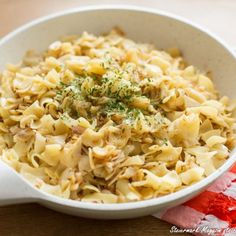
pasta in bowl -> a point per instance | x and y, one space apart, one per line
105 119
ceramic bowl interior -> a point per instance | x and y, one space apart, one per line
199 47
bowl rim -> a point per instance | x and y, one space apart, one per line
44 197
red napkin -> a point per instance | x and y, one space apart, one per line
213 212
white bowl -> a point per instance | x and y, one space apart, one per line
199 47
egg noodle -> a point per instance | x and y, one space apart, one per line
104 119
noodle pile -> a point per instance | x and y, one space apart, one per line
104 119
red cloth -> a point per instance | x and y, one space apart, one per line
213 212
